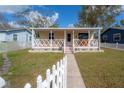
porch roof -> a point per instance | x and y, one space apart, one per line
88 28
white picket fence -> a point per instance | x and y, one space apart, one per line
55 78
2 82
113 45
12 46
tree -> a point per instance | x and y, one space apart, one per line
3 22
94 16
54 25
116 25
122 22
31 18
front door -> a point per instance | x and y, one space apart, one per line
68 37
68 43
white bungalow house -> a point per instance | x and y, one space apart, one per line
65 39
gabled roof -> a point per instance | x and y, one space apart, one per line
115 28
16 29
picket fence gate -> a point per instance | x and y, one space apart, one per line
57 78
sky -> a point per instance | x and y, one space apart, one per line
67 14
64 15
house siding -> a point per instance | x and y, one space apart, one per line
57 34
110 32
22 35
2 36
60 34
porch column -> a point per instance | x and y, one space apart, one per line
99 39
51 40
64 40
73 43
89 39
32 39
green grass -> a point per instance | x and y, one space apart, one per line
1 62
25 66
102 69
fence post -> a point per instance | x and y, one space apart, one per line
60 76
57 74
48 78
117 45
57 78
53 74
63 73
28 85
65 69
2 82
39 81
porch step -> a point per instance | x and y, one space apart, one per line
69 50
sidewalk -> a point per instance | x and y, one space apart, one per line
74 79
5 67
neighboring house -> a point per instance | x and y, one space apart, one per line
113 35
18 35
65 39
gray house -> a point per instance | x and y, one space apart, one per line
18 35
15 39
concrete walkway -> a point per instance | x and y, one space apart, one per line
74 79
6 64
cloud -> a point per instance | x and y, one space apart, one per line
122 7
52 19
13 8
70 25
14 24
36 18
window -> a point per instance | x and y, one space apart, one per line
30 38
104 37
15 37
37 34
51 35
117 37
83 35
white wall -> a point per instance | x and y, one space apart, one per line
2 36
22 36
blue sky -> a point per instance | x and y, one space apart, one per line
118 18
66 14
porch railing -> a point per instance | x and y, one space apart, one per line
85 42
58 43
41 43
47 43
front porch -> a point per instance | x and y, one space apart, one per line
66 39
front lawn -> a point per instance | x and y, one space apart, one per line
25 66
102 69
